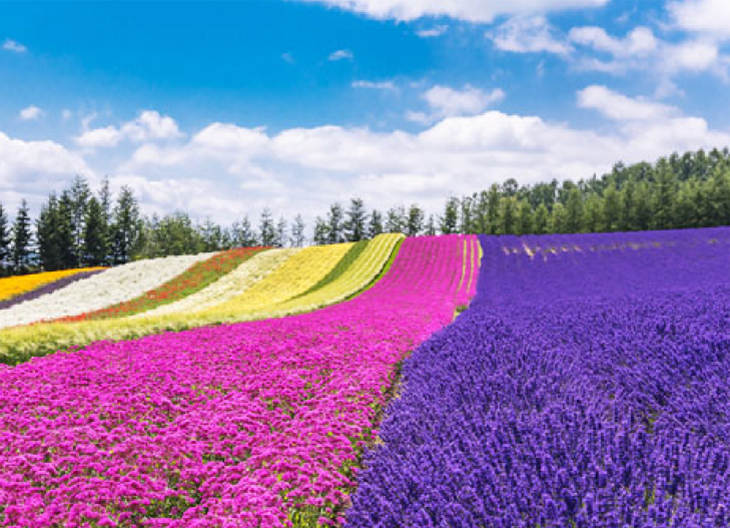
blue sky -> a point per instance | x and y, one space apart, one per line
223 108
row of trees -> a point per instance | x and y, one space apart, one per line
83 228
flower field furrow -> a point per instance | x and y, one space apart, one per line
48 287
20 344
295 276
113 286
359 274
229 286
192 280
248 425
587 386
11 287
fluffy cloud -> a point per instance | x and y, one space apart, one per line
14 46
619 107
470 10
149 126
31 113
341 55
447 102
640 41
304 169
709 17
528 34
28 169
224 170
642 50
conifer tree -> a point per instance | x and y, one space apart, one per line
127 227
22 240
298 227
414 225
375 226
5 240
95 249
354 226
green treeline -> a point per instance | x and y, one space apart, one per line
79 227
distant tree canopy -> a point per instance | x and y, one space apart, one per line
81 228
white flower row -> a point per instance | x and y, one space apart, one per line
229 286
108 288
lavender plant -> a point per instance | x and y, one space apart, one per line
587 386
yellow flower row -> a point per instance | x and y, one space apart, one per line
283 291
13 286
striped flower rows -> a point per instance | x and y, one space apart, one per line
115 285
11 287
48 288
273 283
192 280
247 425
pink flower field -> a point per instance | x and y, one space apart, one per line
250 425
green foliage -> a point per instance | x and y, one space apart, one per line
22 240
4 242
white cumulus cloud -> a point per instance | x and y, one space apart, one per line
14 46
709 17
31 113
469 10
528 34
619 107
444 101
148 126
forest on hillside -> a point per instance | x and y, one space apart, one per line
83 227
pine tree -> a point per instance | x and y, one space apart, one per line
321 231
354 225
281 232
267 229
5 240
467 220
297 239
95 244
50 254
105 200
243 235
127 227
395 220
335 227
450 220
64 231
430 229
213 236
80 194
22 240
414 225
375 226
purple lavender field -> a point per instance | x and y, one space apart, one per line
587 386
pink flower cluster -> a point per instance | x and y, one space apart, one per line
248 425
